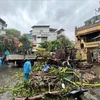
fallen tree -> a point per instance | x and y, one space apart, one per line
52 84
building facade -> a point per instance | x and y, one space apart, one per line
3 26
88 36
60 33
43 33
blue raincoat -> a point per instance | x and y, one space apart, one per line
27 69
0 63
6 52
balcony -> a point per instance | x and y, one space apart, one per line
42 35
92 44
88 29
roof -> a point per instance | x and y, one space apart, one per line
30 30
40 26
1 20
90 22
52 29
60 30
93 19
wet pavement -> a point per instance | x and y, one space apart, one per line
7 78
96 90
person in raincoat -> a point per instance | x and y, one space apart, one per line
27 70
6 53
0 63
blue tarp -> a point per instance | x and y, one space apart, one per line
46 67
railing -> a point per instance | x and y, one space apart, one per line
42 35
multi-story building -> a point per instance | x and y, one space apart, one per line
88 36
60 32
3 26
43 33
52 34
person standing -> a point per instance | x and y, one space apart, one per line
27 69
6 53
0 63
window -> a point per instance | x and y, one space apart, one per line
82 46
41 30
2 28
44 39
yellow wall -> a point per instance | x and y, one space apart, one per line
84 31
87 46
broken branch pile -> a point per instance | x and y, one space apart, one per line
88 75
52 84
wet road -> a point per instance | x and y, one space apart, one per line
7 78
96 91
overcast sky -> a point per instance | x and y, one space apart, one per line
22 14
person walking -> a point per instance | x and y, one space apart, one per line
27 69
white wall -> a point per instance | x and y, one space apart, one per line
52 36
38 40
2 31
0 25
38 31
43 39
45 33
